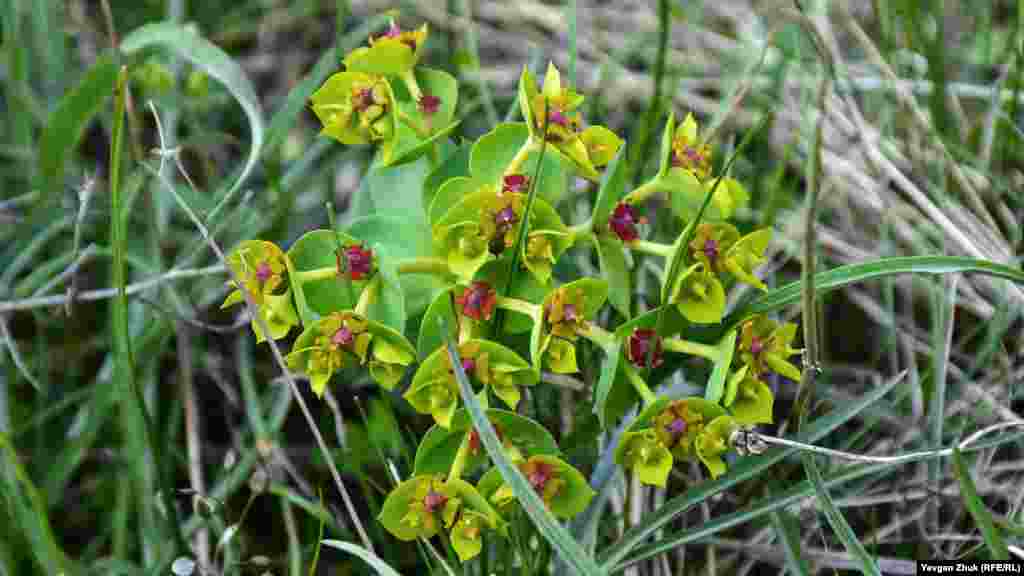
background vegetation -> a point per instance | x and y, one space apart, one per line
922 154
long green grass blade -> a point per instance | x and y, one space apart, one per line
746 468
219 65
854 273
547 526
982 517
66 125
844 532
365 555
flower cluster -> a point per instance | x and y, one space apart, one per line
487 230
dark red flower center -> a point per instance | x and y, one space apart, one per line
757 346
343 337
468 365
359 261
506 217
569 313
263 272
691 155
640 347
434 500
515 183
429 104
364 99
539 476
556 116
623 222
711 249
676 427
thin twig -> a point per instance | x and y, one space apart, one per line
5 332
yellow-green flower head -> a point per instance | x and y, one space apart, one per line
713 441
436 392
261 267
645 454
688 152
417 508
748 398
355 108
677 427
554 108
393 53
562 488
766 346
699 295
499 221
720 249
711 242
324 348
564 312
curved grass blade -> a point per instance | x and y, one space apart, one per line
216 63
747 468
365 555
993 539
844 532
65 126
547 526
853 273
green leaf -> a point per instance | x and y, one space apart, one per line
313 250
66 124
402 238
215 62
612 256
454 165
665 153
397 191
716 383
842 529
612 189
843 275
546 524
614 396
365 555
437 449
449 194
430 338
388 307
980 513
745 468
494 150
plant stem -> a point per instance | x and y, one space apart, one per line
643 192
582 232
656 248
516 164
522 306
597 335
412 124
460 459
435 266
367 296
641 387
691 348
409 79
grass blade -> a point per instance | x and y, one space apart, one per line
365 555
547 526
197 50
969 492
747 468
854 273
835 518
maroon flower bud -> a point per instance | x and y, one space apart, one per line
639 346
359 261
434 501
263 272
506 218
756 346
569 313
429 104
539 475
343 337
515 183
478 301
556 116
623 222
711 249
363 99
468 365
676 427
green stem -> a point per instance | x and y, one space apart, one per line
597 335
582 232
409 79
644 191
522 306
367 296
516 164
460 459
641 387
408 121
691 348
656 248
